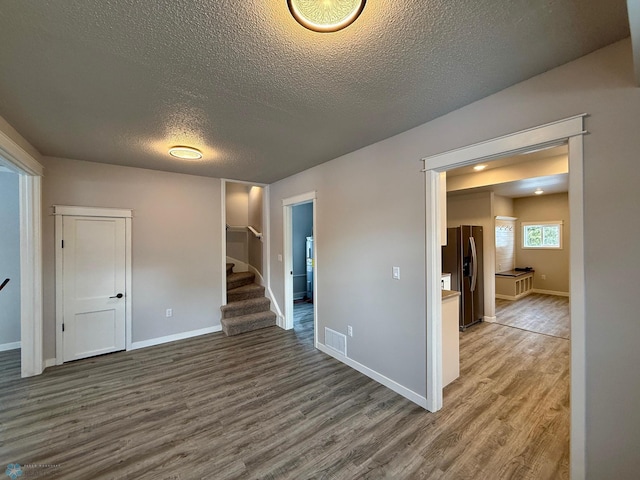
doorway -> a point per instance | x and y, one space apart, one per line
244 225
300 264
302 243
9 260
507 196
18 160
568 130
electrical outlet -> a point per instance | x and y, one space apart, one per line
169 312
350 330
543 277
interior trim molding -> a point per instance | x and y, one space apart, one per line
553 133
31 290
92 211
18 156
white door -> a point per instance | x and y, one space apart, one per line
94 286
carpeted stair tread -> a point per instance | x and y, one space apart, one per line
230 268
245 307
239 279
245 292
247 323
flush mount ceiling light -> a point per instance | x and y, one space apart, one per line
479 168
539 191
186 153
325 15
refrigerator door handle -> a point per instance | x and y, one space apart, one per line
474 263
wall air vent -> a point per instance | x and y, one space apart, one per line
335 341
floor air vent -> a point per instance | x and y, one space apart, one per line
336 341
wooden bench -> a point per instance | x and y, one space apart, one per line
514 284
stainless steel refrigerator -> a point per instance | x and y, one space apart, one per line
462 257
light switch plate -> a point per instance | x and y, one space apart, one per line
396 273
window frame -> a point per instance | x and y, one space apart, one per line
558 223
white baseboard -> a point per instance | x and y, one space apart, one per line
259 280
173 338
9 346
489 319
551 292
274 305
378 377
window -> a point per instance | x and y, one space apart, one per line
542 234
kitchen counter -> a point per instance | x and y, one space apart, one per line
449 294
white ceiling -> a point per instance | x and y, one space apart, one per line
120 81
532 175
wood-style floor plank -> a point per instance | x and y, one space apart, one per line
537 312
267 405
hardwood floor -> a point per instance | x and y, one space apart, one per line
267 405
546 314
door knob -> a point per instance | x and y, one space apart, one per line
117 296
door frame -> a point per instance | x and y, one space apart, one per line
287 221
16 158
571 131
60 211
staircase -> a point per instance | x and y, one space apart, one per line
247 308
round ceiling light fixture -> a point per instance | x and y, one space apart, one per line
326 15
186 153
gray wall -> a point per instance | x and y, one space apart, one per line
554 264
302 217
237 203
176 242
9 258
370 216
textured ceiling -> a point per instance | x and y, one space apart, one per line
120 81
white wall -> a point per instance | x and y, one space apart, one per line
553 264
371 216
176 242
9 259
